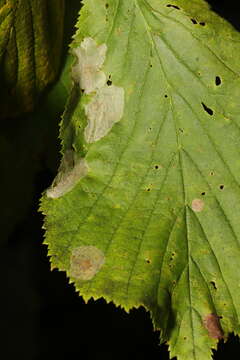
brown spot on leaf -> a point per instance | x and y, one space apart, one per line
85 262
197 205
211 322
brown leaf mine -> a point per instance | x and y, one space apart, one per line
197 205
85 262
212 324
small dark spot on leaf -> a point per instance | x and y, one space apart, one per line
213 285
184 338
202 23
207 109
221 187
156 167
148 261
151 65
109 82
150 129
194 21
106 5
180 129
218 81
82 91
212 324
148 189
211 173
165 96
203 193
173 6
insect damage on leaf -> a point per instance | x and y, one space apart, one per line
87 71
107 103
105 109
85 262
197 205
212 324
69 173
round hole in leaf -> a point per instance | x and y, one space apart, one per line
218 81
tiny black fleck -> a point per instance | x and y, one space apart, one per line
218 81
213 285
194 21
165 96
148 261
173 6
156 167
106 5
180 129
203 193
148 189
109 82
221 187
207 109
202 23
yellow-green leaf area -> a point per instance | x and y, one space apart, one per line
31 36
160 199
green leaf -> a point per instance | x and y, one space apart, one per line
31 36
145 207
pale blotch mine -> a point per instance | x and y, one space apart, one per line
105 109
90 58
106 105
197 205
69 173
85 262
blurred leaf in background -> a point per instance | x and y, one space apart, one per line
31 41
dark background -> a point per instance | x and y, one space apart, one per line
41 315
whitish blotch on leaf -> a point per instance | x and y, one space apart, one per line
106 105
85 262
70 171
87 71
197 205
105 109
212 324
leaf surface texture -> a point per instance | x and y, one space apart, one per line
158 208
